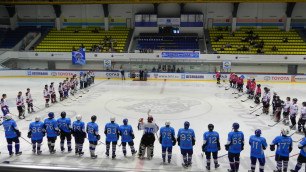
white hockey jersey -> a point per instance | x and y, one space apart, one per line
266 97
303 113
51 90
3 103
46 94
29 98
294 109
60 89
19 101
287 106
148 127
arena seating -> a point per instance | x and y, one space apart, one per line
64 40
272 36
157 41
12 37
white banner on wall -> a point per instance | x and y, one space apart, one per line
169 21
168 76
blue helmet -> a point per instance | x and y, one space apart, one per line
51 115
258 132
125 121
186 125
235 126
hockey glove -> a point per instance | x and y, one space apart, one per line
173 140
18 133
203 147
227 147
58 132
118 135
105 132
29 134
44 133
140 120
272 147
133 136
98 137
218 145
193 141
160 140
290 149
179 141
242 146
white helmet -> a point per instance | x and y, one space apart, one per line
112 119
285 131
37 119
79 117
8 116
167 123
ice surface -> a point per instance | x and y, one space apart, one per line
200 103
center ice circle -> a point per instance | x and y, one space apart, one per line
172 107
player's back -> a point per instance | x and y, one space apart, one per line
37 129
186 137
257 146
92 128
78 126
126 131
237 139
63 124
9 128
283 145
167 133
111 132
302 144
50 125
150 128
212 138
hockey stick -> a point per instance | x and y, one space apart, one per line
36 107
217 157
26 140
100 142
276 123
256 110
295 141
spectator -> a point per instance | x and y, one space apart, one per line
222 48
232 34
115 42
97 49
76 30
244 39
100 46
215 51
182 70
244 48
154 69
220 36
219 28
95 31
178 70
252 42
285 39
226 28
274 48
238 48
262 42
255 36
250 48
216 39
228 45
259 51
73 48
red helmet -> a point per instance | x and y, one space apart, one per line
150 118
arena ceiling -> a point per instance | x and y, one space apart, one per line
28 2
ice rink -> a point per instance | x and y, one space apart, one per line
200 103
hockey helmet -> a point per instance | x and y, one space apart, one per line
186 125
51 115
78 117
285 131
93 118
125 121
112 119
150 118
258 85
211 127
8 116
63 114
295 99
258 132
37 119
235 126
304 103
167 123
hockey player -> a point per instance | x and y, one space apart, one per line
235 78
167 140
293 112
72 86
273 102
211 146
46 96
52 93
258 145
252 89
81 80
248 85
266 100
302 156
218 76
92 75
234 146
148 138
278 108
127 136
78 128
240 84
302 119
231 79
36 134
64 125
284 147
4 106
12 134
52 131
286 110
92 130
257 94
29 101
20 105
61 91
111 132
186 141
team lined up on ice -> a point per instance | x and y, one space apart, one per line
290 109
86 79
185 138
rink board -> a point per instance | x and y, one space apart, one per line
153 75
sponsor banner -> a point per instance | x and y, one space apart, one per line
169 21
164 76
193 76
180 55
281 78
107 63
37 73
112 75
298 78
227 65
